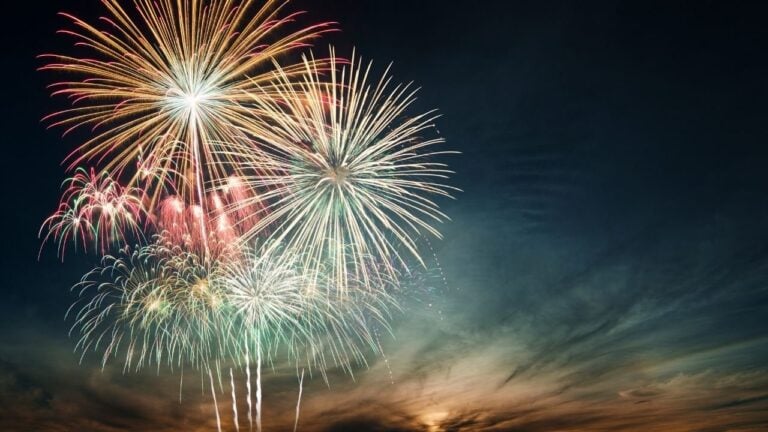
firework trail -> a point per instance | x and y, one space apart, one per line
298 402
248 399
350 180
215 403
234 399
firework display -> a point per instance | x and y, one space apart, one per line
248 210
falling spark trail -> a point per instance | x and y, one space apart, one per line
384 356
181 383
258 389
248 387
215 404
298 402
234 399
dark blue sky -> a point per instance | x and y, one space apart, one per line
606 262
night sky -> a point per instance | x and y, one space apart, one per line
606 263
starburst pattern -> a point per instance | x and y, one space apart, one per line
171 87
350 175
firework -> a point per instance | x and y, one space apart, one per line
156 305
274 305
165 89
350 176
206 232
96 210
274 308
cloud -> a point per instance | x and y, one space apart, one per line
655 328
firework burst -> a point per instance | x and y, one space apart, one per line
275 307
95 210
207 232
168 86
156 305
350 176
